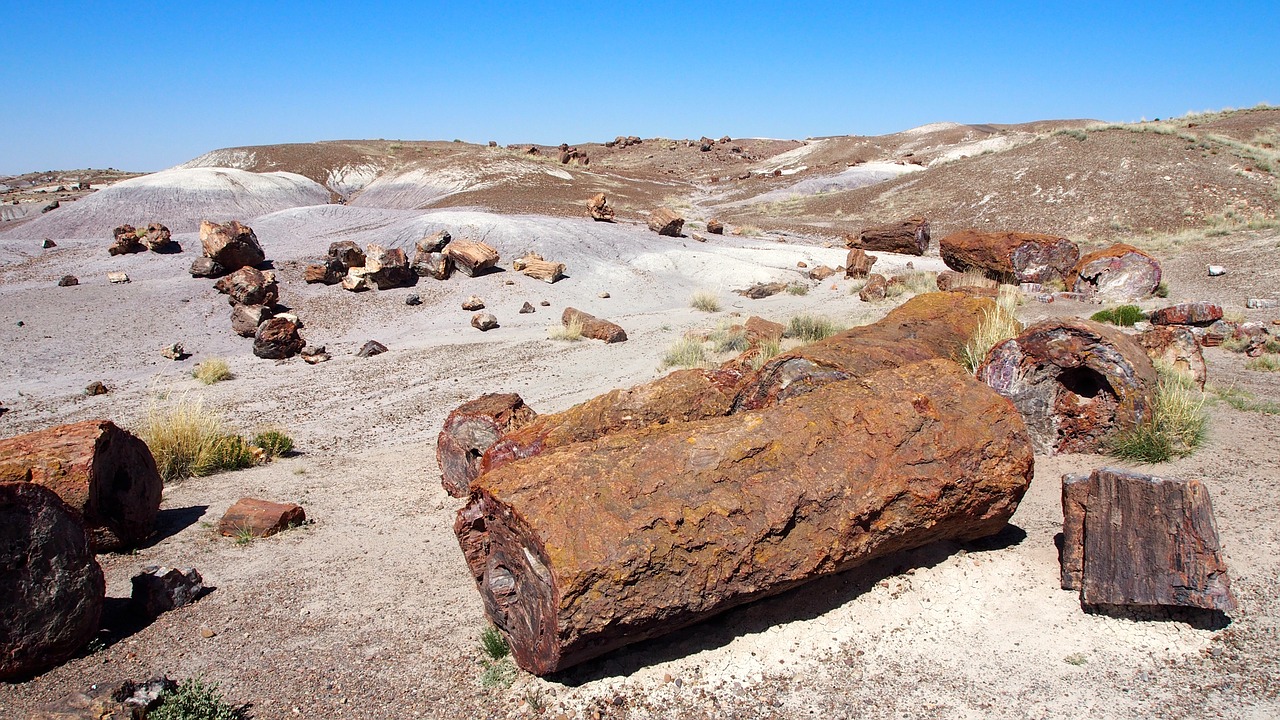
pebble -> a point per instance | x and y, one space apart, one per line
206 633
604 294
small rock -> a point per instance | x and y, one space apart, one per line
413 299
347 253
698 237
1216 270
715 227
316 359
206 633
159 589
277 339
484 321
259 518
434 242
175 352
545 303
206 267
604 295
802 264
473 303
68 281
875 289
144 696
355 283
96 388
371 348
526 309
117 277
48 244
1259 303
245 319
125 241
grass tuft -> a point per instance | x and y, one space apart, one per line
493 644
913 282
705 301
189 439
766 350
212 370
727 338
1124 315
1176 427
811 328
1264 363
685 352
996 325
273 443
194 700
1244 401
797 288
571 332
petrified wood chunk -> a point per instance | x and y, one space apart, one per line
1176 347
470 430
1120 272
594 327
665 221
910 237
762 290
206 267
260 518
157 238
231 245
875 289
598 208
245 319
1013 257
858 263
51 587
1140 540
538 268
1196 313
1076 382
436 265
386 267
277 339
105 474
348 253
690 519
471 257
715 227
434 243
328 272
249 286
125 241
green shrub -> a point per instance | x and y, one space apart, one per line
212 370
194 700
1124 315
493 644
1176 425
705 301
810 328
273 443
225 452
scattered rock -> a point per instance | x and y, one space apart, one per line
598 208
355 283
329 272
594 327
802 264
484 321
762 290
909 237
534 266
96 388
249 286
175 351
277 339
138 698
371 348
436 265
259 518
434 243
413 299
231 245
857 264
125 241
473 303
715 227
245 319
387 267
1012 257
471 257
1217 271
1120 272
665 221
208 633
347 253
822 272
53 589
1259 303
1198 313
47 243
316 359
875 289
158 590
1177 348
117 277
526 309
68 281
51 206
206 267
545 303
157 238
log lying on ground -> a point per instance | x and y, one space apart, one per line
471 257
1131 539
690 519
470 430
51 587
104 473
910 237
594 327
539 268
1076 382
665 221
1120 272
1012 257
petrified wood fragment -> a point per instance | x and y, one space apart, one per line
910 237
665 221
1138 540
1076 382
598 208
858 263
1177 348
471 257
1013 257
231 245
470 430
594 327
690 519
105 474
1120 272
1194 313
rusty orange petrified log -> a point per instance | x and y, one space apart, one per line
105 474
599 544
472 428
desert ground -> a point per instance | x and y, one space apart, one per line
369 611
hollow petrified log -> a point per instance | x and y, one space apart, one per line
104 473
910 237
1120 272
690 519
1076 382
470 430
471 257
1138 540
594 327
51 587
1013 257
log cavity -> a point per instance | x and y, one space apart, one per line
1085 407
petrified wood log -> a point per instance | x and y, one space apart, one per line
598 208
231 245
470 430
594 327
348 253
436 265
105 474
690 519
1013 257
1120 272
387 267
1178 348
858 263
277 339
471 256
1195 313
1139 540
260 518
1076 382
910 237
538 268
874 289
665 221
51 587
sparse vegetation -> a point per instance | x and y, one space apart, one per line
1175 427
766 350
498 669
493 644
273 443
996 325
1264 363
705 301
244 536
798 288
1245 401
1077 134
685 352
1076 659
194 700
212 370
189 439
1124 315
571 332
913 282
729 338
811 328
1162 289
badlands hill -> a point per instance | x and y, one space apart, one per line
370 612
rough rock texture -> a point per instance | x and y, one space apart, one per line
598 208
483 321
355 282
348 253
470 430
858 263
909 237
1120 272
690 519
249 286
822 272
51 587
245 319
1130 539
471 257
157 238
1012 257
68 281
387 267
665 221
1176 347
762 290
328 272
433 243
430 264
259 518
534 266
473 303
371 348
594 327
1076 382
1197 313
231 245
206 267
105 474
277 339
124 241
715 227
759 330
874 289
158 589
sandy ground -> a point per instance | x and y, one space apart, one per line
369 611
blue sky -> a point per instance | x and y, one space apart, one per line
144 85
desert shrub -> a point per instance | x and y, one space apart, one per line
685 352
493 644
914 282
194 700
571 332
225 452
189 439
1244 401
211 371
727 338
767 350
1124 315
705 301
1176 426
1264 363
1162 289
1235 343
810 328
996 324
798 288
273 443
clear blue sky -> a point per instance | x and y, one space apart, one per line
144 85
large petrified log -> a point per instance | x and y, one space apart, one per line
51 587
470 430
1076 382
471 257
1139 540
910 237
1120 272
1012 257
690 519
1177 348
231 245
104 473
594 327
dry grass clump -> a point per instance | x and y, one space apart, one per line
765 351
212 370
797 288
729 338
996 325
811 328
685 352
187 439
914 282
1264 363
1176 426
572 332
705 301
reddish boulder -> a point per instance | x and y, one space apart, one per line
760 330
1120 272
249 286
51 587
231 245
157 238
125 241
665 221
909 237
594 327
259 518
858 263
1012 257
875 289
387 267
598 208
471 257
329 272
245 319
1197 313
715 227
277 339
